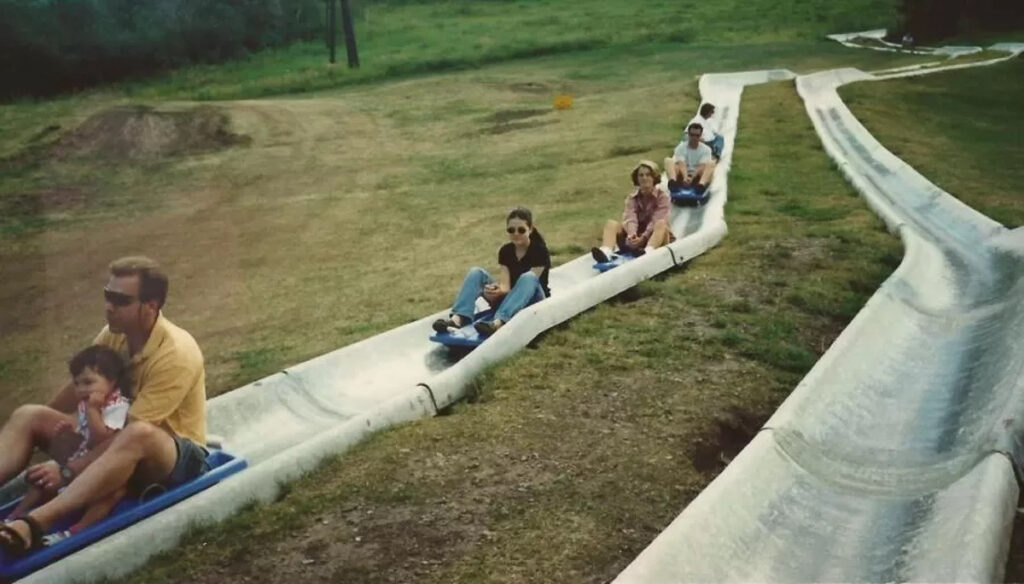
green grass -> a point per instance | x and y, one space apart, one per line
961 129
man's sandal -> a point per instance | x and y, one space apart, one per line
12 542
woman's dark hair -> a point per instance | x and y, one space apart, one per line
105 361
706 109
525 214
520 213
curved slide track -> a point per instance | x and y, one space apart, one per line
285 424
894 459
850 39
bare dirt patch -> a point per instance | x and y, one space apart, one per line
44 201
59 198
30 209
142 132
732 431
371 543
529 87
504 121
44 133
505 128
504 116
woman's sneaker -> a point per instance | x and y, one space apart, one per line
599 255
442 325
485 328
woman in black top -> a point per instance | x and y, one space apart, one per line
523 280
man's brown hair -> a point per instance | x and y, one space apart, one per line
152 279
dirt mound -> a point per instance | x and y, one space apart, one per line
141 132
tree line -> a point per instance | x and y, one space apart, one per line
934 20
53 46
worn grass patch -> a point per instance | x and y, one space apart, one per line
961 129
579 452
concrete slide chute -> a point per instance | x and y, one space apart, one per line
894 458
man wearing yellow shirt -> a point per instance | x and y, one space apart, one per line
164 440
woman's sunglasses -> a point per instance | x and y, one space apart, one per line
519 230
118 298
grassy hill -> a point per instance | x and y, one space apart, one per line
278 220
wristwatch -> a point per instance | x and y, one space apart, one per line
67 474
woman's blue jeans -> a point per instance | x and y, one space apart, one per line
526 291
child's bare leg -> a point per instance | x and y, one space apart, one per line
33 498
99 510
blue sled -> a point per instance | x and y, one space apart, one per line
617 260
127 512
688 196
467 335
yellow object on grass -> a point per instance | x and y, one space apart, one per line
563 102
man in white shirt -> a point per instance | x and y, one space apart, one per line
711 137
692 163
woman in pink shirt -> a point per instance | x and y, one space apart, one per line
644 225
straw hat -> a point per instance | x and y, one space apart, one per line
652 165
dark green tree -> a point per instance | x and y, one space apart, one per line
49 46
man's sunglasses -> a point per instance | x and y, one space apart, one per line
519 230
118 298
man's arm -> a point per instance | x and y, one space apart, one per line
47 475
65 400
